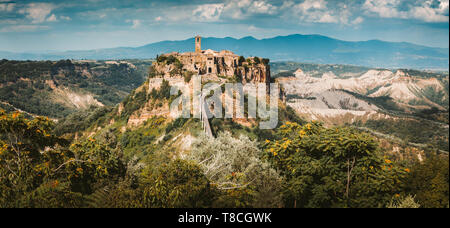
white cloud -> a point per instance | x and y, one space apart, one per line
9 22
357 21
240 9
311 5
65 18
262 7
208 12
287 5
428 11
52 18
252 28
23 28
311 11
102 13
135 23
344 13
314 11
7 7
384 8
37 12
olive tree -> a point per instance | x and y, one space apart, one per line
235 164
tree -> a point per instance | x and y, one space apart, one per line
429 181
171 59
241 60
94 164
161 58
29 158
52 194
123 194
163 92
178 184
38 169
177 68
152 72
332 167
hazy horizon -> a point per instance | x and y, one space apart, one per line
182 39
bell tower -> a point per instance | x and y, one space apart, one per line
198 44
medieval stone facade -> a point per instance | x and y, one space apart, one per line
224 63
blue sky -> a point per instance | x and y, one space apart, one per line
91 24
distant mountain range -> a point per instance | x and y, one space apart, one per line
298 48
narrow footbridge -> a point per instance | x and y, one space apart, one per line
204 118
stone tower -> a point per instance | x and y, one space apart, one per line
198 44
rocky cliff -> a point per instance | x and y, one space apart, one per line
254 73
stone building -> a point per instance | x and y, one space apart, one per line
224 63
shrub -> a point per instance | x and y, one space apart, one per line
161 59
429 182
171 59
403 202
234 166
188 76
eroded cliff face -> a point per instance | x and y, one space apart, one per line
150 107
257 73
178 69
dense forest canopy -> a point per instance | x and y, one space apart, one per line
301 165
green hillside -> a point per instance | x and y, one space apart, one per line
56 89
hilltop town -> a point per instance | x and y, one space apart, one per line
209 62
